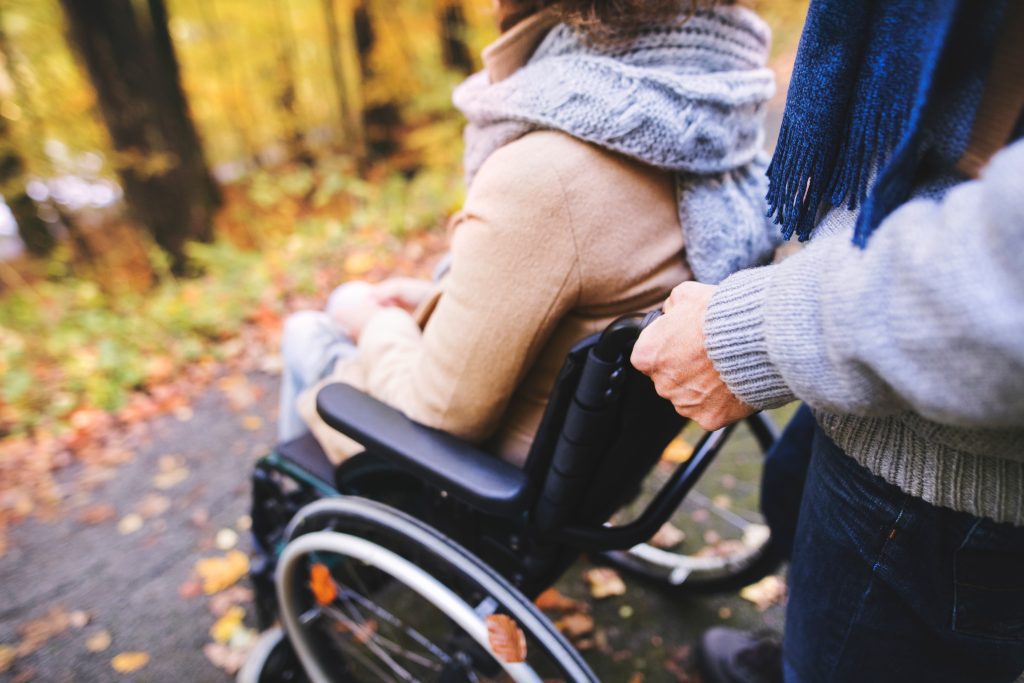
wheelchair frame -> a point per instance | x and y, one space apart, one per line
603 430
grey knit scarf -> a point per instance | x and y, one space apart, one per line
688 98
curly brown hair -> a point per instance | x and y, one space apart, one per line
601 17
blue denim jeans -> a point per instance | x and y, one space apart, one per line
886 587
311 343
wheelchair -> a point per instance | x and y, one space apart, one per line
419 558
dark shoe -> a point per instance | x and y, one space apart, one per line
731 656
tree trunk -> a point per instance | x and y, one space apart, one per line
347 74
454 50
127 50
382 121
34 232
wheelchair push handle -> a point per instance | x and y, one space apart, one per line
616 342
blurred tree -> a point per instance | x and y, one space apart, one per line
287 97
345 70
127 51
454 50
32 229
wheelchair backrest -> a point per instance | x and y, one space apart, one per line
603 430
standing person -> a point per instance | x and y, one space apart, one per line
576 153
902 326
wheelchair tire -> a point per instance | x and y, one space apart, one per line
349 635
738 563
272 660
693 575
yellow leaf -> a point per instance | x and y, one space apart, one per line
129 662
765 593
507 640
252 422
98 642
7 655
219 573
604 582
359 263
225 627
678 451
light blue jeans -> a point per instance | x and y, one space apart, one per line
311 344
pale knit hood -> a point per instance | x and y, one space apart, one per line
689 98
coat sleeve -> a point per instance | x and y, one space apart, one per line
928 318
514 275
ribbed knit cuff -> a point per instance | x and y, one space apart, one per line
734 335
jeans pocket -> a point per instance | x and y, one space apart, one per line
989 584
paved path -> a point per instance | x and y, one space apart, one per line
129 583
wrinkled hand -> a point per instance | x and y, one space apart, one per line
404 292
351 306
671 352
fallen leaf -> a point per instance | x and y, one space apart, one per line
226 539
604 582
677 451
36 632
322 584
722 549
79 619
507 640
359 263
170 478
225 627
575 624
190 589
668 536
553 601
724 612
7 656
244 523
625 612
129 524
129 662
700 515
728 482
712 537
98 642
153 505
220 603
97 514
252 422
199 518
637 677
218 573
224 657
722 501
765 593
239 391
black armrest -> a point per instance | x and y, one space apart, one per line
442 460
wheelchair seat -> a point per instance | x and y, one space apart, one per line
305 452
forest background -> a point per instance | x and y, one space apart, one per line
177 175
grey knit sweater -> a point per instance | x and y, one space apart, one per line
910 352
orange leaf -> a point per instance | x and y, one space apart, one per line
553 601
506 638
322 585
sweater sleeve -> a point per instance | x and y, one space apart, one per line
514 274
928 318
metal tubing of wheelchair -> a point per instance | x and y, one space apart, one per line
659 510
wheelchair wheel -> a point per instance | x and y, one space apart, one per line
726 543
369 593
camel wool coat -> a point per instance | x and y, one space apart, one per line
556 239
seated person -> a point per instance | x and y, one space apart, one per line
613 151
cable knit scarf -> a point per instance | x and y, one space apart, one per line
688 98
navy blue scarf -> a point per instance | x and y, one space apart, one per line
868 74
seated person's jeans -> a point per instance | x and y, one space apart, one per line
311 344
886 587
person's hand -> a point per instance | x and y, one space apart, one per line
671 352
351 306
404 292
